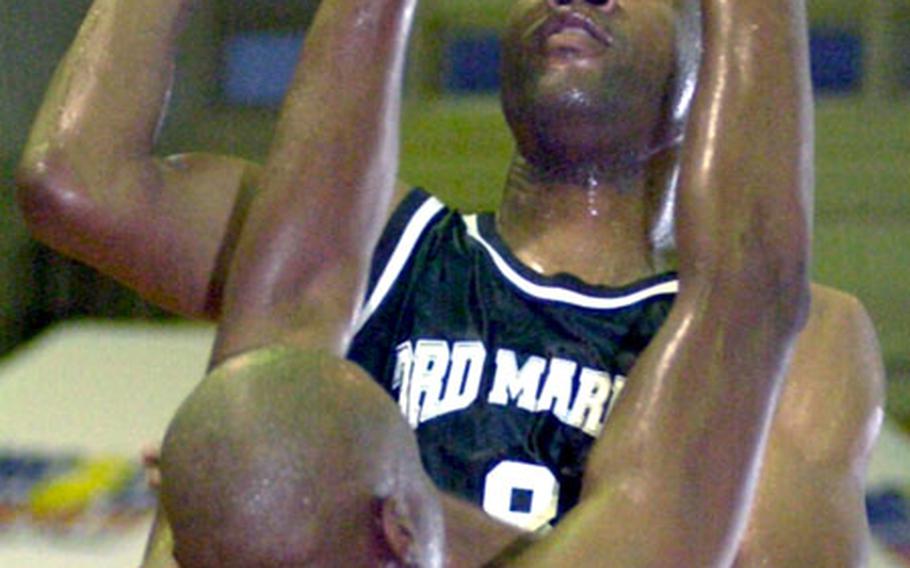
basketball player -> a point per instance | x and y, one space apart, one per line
286 457
509 371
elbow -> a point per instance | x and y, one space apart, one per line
48 194
778 294
795 298
771 291
785 260
769 269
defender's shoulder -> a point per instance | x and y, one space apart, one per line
839 338
834 390
830 305
839 327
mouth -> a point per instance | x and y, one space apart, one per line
572 36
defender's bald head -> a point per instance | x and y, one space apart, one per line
285 458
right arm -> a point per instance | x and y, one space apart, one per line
673 475
89 184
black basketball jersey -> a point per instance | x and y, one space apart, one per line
507 376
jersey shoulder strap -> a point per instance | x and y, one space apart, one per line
402 235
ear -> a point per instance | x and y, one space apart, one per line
398 529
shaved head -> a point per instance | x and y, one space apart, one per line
284 458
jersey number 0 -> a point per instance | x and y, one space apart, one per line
521 494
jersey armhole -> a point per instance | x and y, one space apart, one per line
400 238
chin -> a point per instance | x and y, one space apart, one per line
570 127
603 108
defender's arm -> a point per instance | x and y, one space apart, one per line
89 185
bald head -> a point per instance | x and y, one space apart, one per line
285 458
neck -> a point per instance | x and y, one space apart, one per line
593 223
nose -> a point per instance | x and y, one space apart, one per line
602 4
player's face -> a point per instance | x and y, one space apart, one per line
583 78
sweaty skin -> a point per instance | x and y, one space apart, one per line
295 457
679 473
170 229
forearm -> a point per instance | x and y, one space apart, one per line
670 480
744 199
683 448
329 179
743 228
108 94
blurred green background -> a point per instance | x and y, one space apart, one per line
458 147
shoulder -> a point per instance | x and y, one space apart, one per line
833 396
832 306
839 334
827 420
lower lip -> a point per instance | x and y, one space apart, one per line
573 43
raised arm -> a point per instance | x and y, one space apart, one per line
302 260
89 184
671 479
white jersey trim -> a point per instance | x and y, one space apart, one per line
565 295
399 257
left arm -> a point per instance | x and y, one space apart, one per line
301 261
809 507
